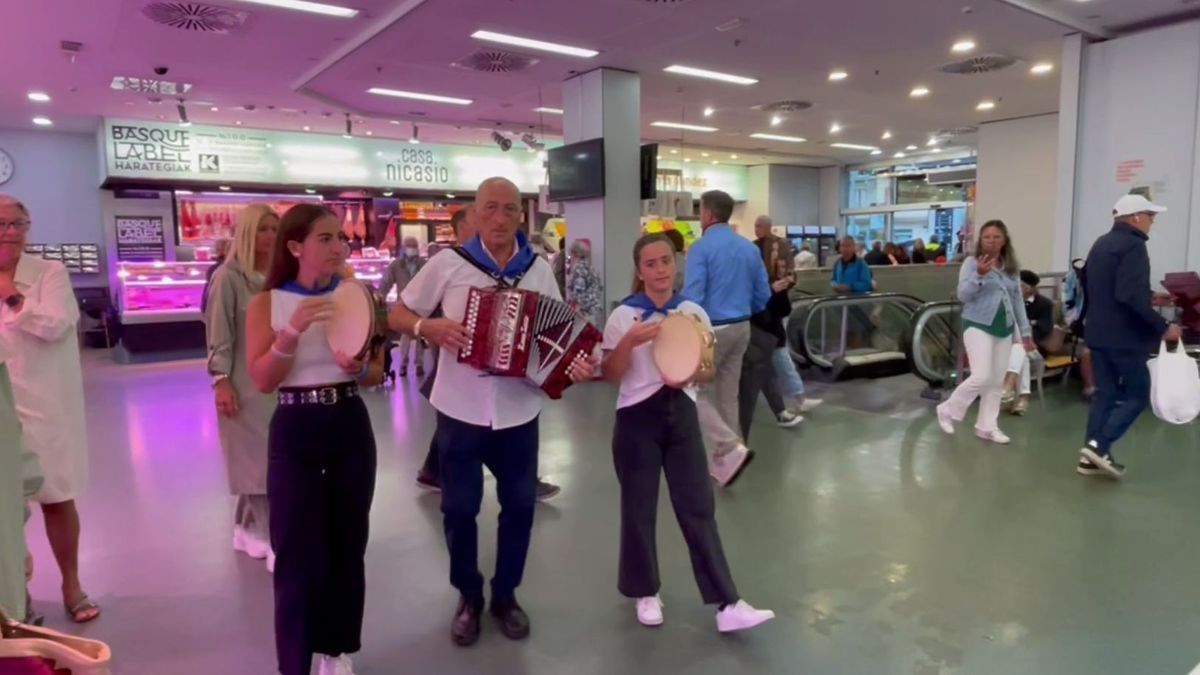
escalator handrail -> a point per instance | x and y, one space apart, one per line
803 315
916 329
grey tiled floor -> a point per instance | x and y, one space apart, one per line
885 546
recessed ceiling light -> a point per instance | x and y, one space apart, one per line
733 157
776 120
936 150
931 142
887 136
370 133
986 104
238 122
876 152
660 158
838 75
308 128
685 127
919 92
674 151
549 111
38 96
852 146
215 109
42 121
529 43
710 74
1042 68
777 137
715 162
708 111
899 155
910 148
835 128
381 91
704 154
313 7
687 159
963 46
388 193
224 188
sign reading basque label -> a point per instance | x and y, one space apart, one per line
158 151
140 238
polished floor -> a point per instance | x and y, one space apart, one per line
883 545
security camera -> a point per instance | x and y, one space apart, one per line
161 70
504 142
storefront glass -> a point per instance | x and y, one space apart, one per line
867 228
868 189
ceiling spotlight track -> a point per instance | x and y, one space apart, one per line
349 127
415 138
183 116
504 142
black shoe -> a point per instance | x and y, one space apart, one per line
513 620
1105 463
428 481
546 491
1087 468
464 629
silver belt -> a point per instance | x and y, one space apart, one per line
318 396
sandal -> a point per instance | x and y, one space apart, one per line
80 612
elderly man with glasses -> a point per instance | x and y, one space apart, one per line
38 315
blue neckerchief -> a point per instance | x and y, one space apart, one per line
517 265
294 287
643 302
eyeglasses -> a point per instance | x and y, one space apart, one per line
14 225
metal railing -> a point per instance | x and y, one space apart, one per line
850 329
934 343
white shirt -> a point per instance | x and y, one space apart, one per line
47 377
460 391
806 260
314 363
642 379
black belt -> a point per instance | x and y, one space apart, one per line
326 395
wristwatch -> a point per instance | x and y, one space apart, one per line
13 301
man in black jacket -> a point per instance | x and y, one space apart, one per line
1122 330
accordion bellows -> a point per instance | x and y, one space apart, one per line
519 333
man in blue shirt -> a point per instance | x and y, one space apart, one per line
851 274
725 276
1122 330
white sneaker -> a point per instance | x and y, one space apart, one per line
727 468
740 616
994 436
649 611
945 421
335 665
271 561
788 419
808 404
247 543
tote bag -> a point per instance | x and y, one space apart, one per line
1174 386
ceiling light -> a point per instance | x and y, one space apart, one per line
838 75
876 152
986 105
852 146
450 195
370 133
307 128
215 109
887 136
963 47
42 121
381 91
533 44
674 151
660 158
710 74
183 118
776 137
502 141
225 188
931 142
687 159
238 122
549 111
936 150
835 128
704 154
919 92
776 120
313 191
415 138
708 112
910 148
733 157
1042 68
899 155
38 96
685 127
306 6
715 162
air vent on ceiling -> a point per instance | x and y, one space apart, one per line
955 132
951 176
984 63
193 16
495 61
784 106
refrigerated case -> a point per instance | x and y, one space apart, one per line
822 241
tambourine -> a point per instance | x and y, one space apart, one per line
33 649
683 350
358 317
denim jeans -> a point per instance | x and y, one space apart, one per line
790 384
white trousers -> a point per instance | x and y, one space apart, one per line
989 356
1020 362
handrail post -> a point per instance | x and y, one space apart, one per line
845 315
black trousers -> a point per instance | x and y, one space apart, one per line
758 375
431 467
511 455
320 483
661 435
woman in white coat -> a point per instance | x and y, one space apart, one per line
38 315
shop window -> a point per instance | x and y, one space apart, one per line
868 189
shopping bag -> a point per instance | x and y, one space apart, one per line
1174 386
32 650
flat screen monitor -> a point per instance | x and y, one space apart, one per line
649 171
577 171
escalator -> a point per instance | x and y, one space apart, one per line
852 335
933 343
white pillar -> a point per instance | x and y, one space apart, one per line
607 103
1071 73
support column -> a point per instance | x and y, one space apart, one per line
606 104
1071 73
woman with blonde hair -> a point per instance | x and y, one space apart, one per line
243 414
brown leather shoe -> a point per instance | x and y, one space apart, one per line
513 620
464 629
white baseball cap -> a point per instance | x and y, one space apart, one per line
1131 204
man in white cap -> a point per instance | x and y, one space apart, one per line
1122 329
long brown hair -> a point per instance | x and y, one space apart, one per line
645 240
1008 254
295 225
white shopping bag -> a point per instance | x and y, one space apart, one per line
1174 386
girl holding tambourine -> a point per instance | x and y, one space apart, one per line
658 432
321 448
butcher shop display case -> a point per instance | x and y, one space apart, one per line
159 310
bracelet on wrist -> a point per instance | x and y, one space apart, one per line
417 328
282 354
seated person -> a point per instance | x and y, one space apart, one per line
1040 311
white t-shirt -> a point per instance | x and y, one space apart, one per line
642 379
460 391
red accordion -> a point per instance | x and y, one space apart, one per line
519 333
